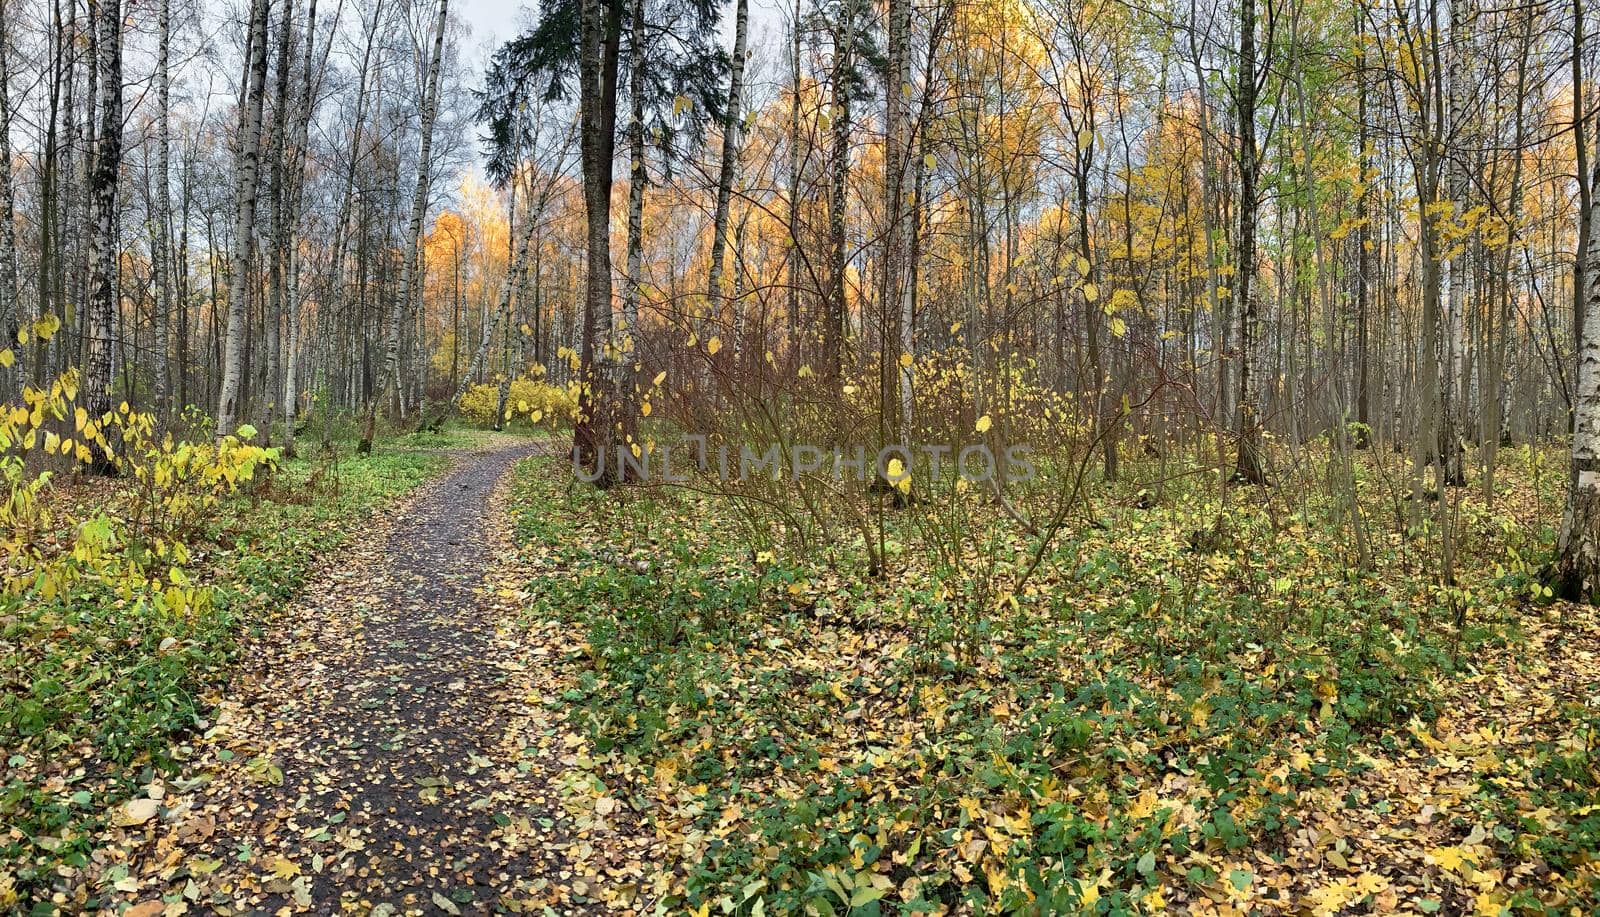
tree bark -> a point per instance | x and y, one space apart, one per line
593 433
100 360
246 189
410 255
1577 567
10 307
1249 466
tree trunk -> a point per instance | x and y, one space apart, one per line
10 308
297 156
100 362
1249 467
837 308
1577 567
249 161
410 256
593 433
731 125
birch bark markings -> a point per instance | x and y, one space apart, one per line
246 190
638 178
410 254
1249 467
1577 568
10 309
100 356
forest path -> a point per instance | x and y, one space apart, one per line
366 763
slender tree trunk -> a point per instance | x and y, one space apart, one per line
100 364
161 250
501 313
638 178
296 172
249 161
837 307
1364 259
731 125
410 255
1249 467
792 251
593 434
10 307
278 271
1577 567
1586 183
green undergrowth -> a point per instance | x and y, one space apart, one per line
102 682
1148 720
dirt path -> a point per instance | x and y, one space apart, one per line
365 763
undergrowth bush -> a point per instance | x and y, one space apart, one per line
530 402
124 597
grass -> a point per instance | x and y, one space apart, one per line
101 686
1148 724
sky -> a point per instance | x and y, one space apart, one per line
496 21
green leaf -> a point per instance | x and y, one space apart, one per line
865 895
1147 863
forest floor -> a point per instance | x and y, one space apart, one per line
1260 726
359 758
509 692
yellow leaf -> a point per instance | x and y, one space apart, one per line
660 378
897 474
1090 292
984 423
7 358
906 359
1119 327
644 409
1449 858
713 345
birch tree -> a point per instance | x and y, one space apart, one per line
100 355
246 189
410 254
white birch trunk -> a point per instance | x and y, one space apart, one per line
100 360
731 126
244 219
410 255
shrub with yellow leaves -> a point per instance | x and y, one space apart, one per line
530 401
71 562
